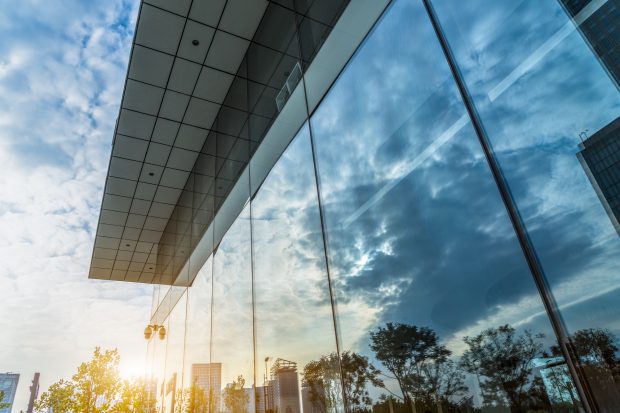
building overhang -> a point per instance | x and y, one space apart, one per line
213 91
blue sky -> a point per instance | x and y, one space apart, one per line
62 67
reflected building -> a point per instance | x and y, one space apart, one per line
600 158
207 377
284 387
8 386
272 159
601 30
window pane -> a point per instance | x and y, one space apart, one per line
232 354
295 337
545 88
436 306
175 331
198 382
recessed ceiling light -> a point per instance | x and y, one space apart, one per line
127 245
195 42
151 174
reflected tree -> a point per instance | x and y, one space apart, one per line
595 346
2 403
136 396
419 363
235 396
321 378
502 361
195 399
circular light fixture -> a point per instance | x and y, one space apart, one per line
148 332
162 332
195 42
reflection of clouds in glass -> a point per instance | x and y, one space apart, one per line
197 339
534 122
232 303
293 310
437 249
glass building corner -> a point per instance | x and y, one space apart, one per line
424 217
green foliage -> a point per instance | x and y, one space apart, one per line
60 397
2 405
322 379
97 388
235 396
502 361
419 363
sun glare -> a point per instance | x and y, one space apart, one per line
130 370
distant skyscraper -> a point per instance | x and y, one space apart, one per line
8 385
34 392
208 378
601 30
285 387
600 158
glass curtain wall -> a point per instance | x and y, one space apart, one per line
376 269
548 105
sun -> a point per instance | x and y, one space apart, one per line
131 370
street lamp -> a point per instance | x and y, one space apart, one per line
148 331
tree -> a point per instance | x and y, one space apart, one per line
594 346
235 396
504 360
2 405
59 397
135 397
321 378
97 388
97 382
418 362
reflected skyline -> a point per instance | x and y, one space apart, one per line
504 368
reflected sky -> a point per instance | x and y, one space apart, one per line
419 252
537 85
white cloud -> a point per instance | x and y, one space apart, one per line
62 67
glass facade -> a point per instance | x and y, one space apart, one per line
439 235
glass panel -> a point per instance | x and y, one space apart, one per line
295 337
436 307
173 385
198 383
232 354
158 365
543 76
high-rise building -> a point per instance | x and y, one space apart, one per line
601 30
34 392
207 377
8 386
600 158
285 384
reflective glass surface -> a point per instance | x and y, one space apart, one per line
232 349
545 104
172 387
373 266
435 299
297 361
199 384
